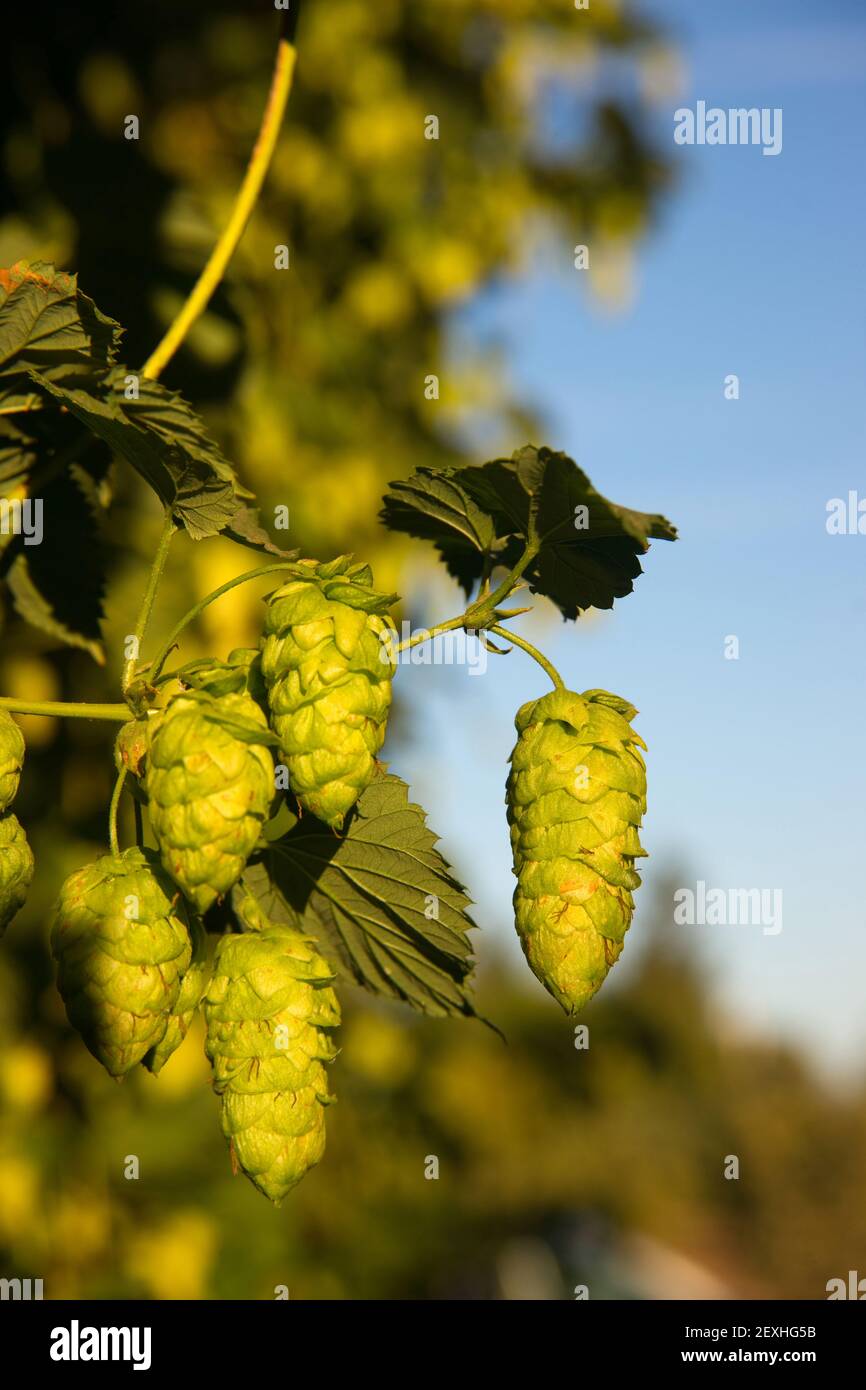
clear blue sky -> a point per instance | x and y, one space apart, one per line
756 766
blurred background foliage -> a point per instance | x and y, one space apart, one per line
556 1166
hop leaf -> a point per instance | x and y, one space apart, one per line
11 758
16 868
192 988
576 795
209 783
121 941
328 665
269 1008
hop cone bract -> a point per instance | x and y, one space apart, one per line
121 942
328 664
269 1008
11 758
16 868
192 988
576 796
209 791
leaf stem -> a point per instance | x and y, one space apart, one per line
61 710
504 589
536 655
426 634
112 812
160 660
245 202
156 572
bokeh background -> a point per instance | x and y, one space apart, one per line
557 1166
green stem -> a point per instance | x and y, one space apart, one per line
160 660
479 613
508 583
112 812
536 655
61 710
425 634
156 572
245 202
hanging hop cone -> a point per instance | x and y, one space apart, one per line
11 758
192 988
576 796
121 941
209 784
269 1009
327 659
16 868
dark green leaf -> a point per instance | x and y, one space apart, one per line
48 325
586 558
372 897
433 506
39 576
245 527
163 438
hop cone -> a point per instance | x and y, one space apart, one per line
208 790
11 758
16 868
192 988
268 1008
328 666
576 796
130 747
122 947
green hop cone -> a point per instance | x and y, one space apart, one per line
209 788
11 758
16 868
192 988
327 660
576 796
269 1008
122 946
130 747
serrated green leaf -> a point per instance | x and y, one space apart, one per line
434 506
165 441
245 527
535 495
370 895
48 325
38 576
580 566
18 455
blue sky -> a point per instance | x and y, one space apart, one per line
757 765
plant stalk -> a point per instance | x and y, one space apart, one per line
202 291
59 709
160 660
536 655
112 812
156 572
